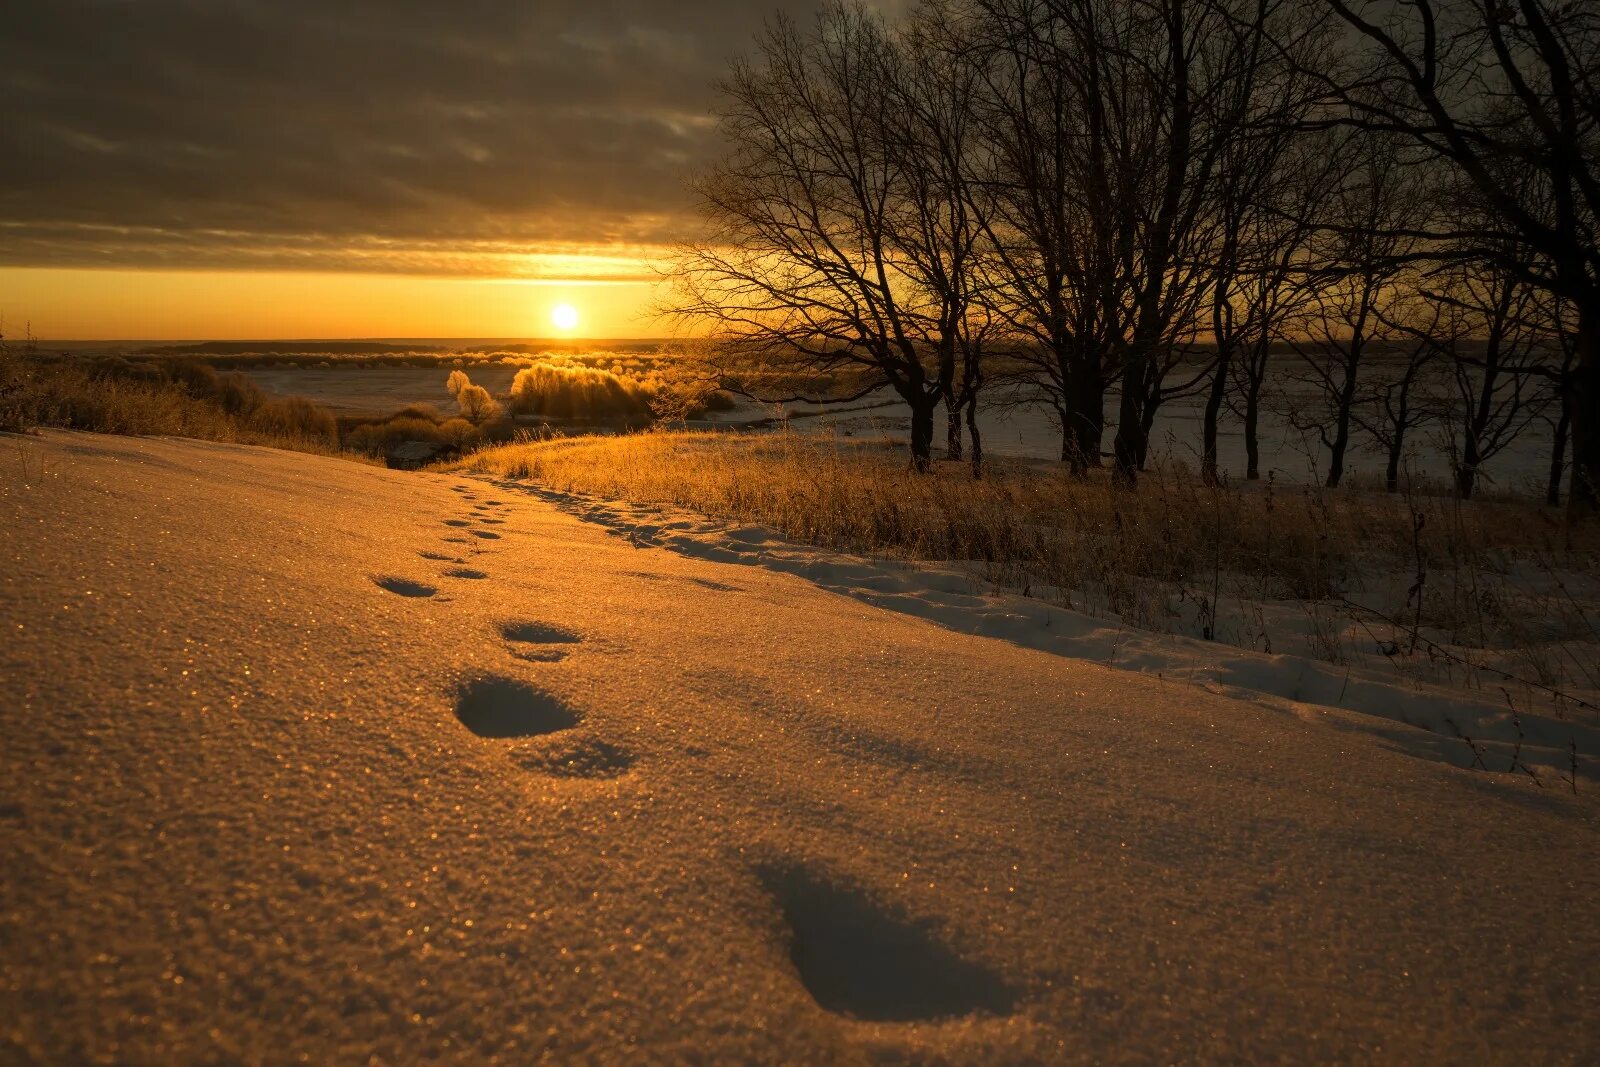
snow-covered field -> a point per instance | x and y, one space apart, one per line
309 759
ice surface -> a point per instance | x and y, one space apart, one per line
744 819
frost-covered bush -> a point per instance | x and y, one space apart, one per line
294 416
578 392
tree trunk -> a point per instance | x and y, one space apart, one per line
922 432
1397 443
1467 470
1091 414
1071 449
952 429
1341 431
1128 445
1219 386
1558 456
1252 443
1341 441
977 439
1583 402
1082 424
1391 473
1147 424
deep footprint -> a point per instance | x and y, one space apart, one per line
494 706
860 961
537 633
402 586
585 757
457 523
464 572
487 535
438 556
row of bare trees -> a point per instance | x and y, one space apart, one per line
1068 201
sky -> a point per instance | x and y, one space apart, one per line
352 168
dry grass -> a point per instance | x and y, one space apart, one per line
182 401
1174 555
858 496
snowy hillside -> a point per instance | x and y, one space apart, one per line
309 759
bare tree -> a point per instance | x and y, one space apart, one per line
804 263
1496 364
1269 294
1501 91
1041 163
1360 255
930 123
1272 177
1198 67
1401 398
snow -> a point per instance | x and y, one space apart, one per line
1469 729
263 797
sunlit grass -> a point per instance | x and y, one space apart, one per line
1173 555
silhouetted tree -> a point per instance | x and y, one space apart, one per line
1360 255
830 245
1506 94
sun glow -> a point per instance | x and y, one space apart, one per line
565 316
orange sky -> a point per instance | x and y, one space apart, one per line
299 168
80 304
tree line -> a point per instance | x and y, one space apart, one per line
1068 201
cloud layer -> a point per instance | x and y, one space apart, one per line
477 137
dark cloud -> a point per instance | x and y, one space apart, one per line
353 134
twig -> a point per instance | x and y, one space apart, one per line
1477 757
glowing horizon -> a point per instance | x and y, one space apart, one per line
118 304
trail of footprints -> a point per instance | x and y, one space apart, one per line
547 735
855 957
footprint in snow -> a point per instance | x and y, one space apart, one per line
534 640
493 705
464 572
501 708
403 586
440 556
487 535
860 960
458 523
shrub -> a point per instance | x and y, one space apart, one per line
476 404
293 416
459 433
577 392
238 394
378 438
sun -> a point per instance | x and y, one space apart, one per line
565 316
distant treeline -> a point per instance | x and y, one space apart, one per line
402 353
